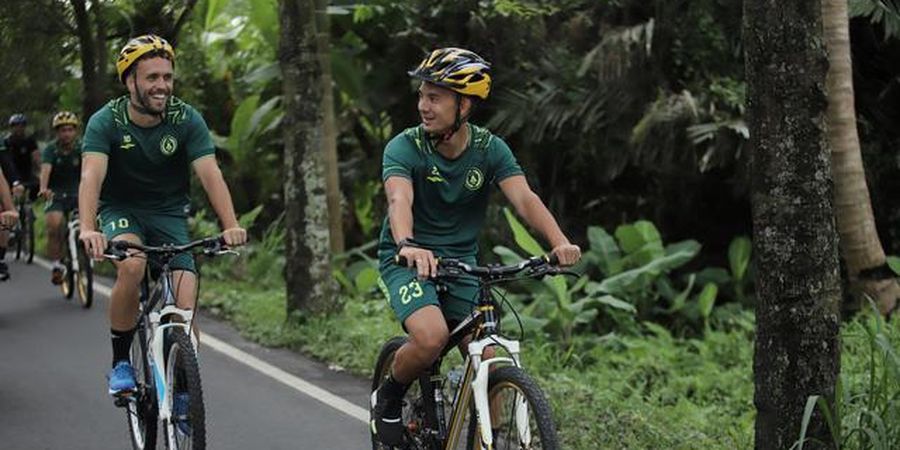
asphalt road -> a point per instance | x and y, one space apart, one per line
54 356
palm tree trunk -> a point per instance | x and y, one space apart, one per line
859 242
310 286
797 346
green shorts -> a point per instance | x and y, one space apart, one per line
62 206
154 228
407 294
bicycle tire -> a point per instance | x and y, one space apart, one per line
382 369
141 412
20 241
68 284
516 378
85 278
183 374
30 214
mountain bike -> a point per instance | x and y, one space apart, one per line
494 399
23 233
79 265
164 352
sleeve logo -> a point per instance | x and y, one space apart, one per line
168 144
474 179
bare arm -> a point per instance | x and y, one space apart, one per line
399 191
531 208
5 196
93 172
219 196
46 170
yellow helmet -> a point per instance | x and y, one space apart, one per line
139 46
457 69
65 118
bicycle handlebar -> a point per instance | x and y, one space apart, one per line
449 267
211 246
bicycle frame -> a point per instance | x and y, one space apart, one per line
475 379
156 322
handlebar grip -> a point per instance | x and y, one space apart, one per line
552 259
400 260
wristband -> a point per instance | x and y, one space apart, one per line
406 242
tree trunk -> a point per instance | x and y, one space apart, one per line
333 187
93 95
310 287
860 246
797 350
102 52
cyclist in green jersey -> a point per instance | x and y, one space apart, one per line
60 173
138 152
438 177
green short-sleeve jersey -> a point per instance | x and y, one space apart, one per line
65 170
148 168
450 196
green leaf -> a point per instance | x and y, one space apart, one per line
604 249
639 235
681 299
739 256
707 299
894 263
213 9
522 236
507 255
264 16
366 279
249 218
240 125
615 303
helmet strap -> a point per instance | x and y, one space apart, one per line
457 124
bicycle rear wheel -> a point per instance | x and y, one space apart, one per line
413 416
522 418
85 278
141 409
183 375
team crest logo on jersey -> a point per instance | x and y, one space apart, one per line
126 142
474 179
168 144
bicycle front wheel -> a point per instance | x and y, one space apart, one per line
187 427
85 278
68 284
520 414
141 409
30 215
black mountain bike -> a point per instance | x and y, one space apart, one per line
164 352
494 400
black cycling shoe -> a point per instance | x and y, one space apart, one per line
4 271
386 422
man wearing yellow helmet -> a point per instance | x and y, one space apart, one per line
60 174
139 150
438 178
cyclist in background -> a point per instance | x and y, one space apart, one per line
60 174
18 158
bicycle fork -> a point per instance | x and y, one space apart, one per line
480 389
72 228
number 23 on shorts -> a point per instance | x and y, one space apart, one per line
410 291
